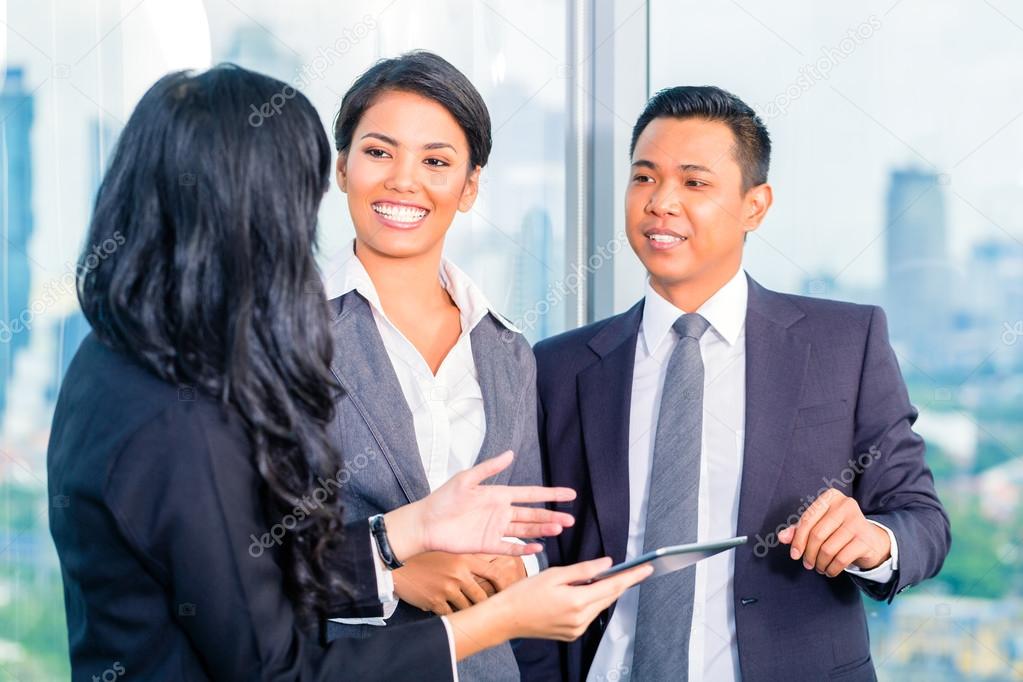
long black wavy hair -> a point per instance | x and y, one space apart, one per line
214 187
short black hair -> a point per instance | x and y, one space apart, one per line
428 75
752 142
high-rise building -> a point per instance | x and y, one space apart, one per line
72 326
995 299
103 133
920 282
17 112
531 307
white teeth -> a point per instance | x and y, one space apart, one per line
666 238
401 214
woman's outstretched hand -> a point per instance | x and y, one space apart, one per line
551 605
466 516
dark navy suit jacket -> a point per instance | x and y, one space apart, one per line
822 388
157 509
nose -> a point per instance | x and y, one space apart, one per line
403 176
666 200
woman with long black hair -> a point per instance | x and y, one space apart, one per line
202 534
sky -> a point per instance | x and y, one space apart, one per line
934 83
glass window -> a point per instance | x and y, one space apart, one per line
897 182
71 75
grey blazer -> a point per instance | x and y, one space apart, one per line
384 470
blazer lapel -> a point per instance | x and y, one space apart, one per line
364 370
605 397
501 385
776 364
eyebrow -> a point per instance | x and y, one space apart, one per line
684 167
394 143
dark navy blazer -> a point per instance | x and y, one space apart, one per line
822 388
157 506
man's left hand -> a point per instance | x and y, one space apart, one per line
833 534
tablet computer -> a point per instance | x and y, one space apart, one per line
673 558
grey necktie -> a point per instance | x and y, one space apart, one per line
665 615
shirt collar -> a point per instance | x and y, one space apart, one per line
725 310
472 304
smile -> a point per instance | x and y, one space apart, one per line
664 240
400 213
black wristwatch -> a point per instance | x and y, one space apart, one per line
379 531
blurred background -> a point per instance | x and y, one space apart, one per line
897 176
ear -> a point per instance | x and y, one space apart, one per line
470 191
341 171
755 205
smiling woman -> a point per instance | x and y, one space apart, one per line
429 363
413 136
381 174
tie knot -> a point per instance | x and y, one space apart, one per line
691 324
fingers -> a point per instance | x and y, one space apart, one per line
848 554
832 534
584 570
495 465
442 608
809 518
600 595
513 548
545 516
535 493
503 572
532 530
821 532
456 597
611 588
841 537
486 586
493 575
474 591
487 468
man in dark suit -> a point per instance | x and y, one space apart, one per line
715 407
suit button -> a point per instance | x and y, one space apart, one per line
746 601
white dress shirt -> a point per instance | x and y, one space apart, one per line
713 653
447 407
